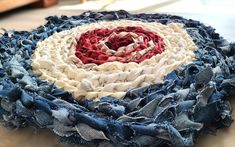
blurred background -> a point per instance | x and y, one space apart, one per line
29 14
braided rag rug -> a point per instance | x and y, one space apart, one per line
118 79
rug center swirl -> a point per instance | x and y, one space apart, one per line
123 44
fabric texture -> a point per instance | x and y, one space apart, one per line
190 99
88 49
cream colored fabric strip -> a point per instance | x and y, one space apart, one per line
54 60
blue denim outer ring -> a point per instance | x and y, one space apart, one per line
191 100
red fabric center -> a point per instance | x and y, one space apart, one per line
116 42
123 44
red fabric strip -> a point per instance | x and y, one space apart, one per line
88 48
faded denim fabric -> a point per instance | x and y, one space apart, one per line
192 98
